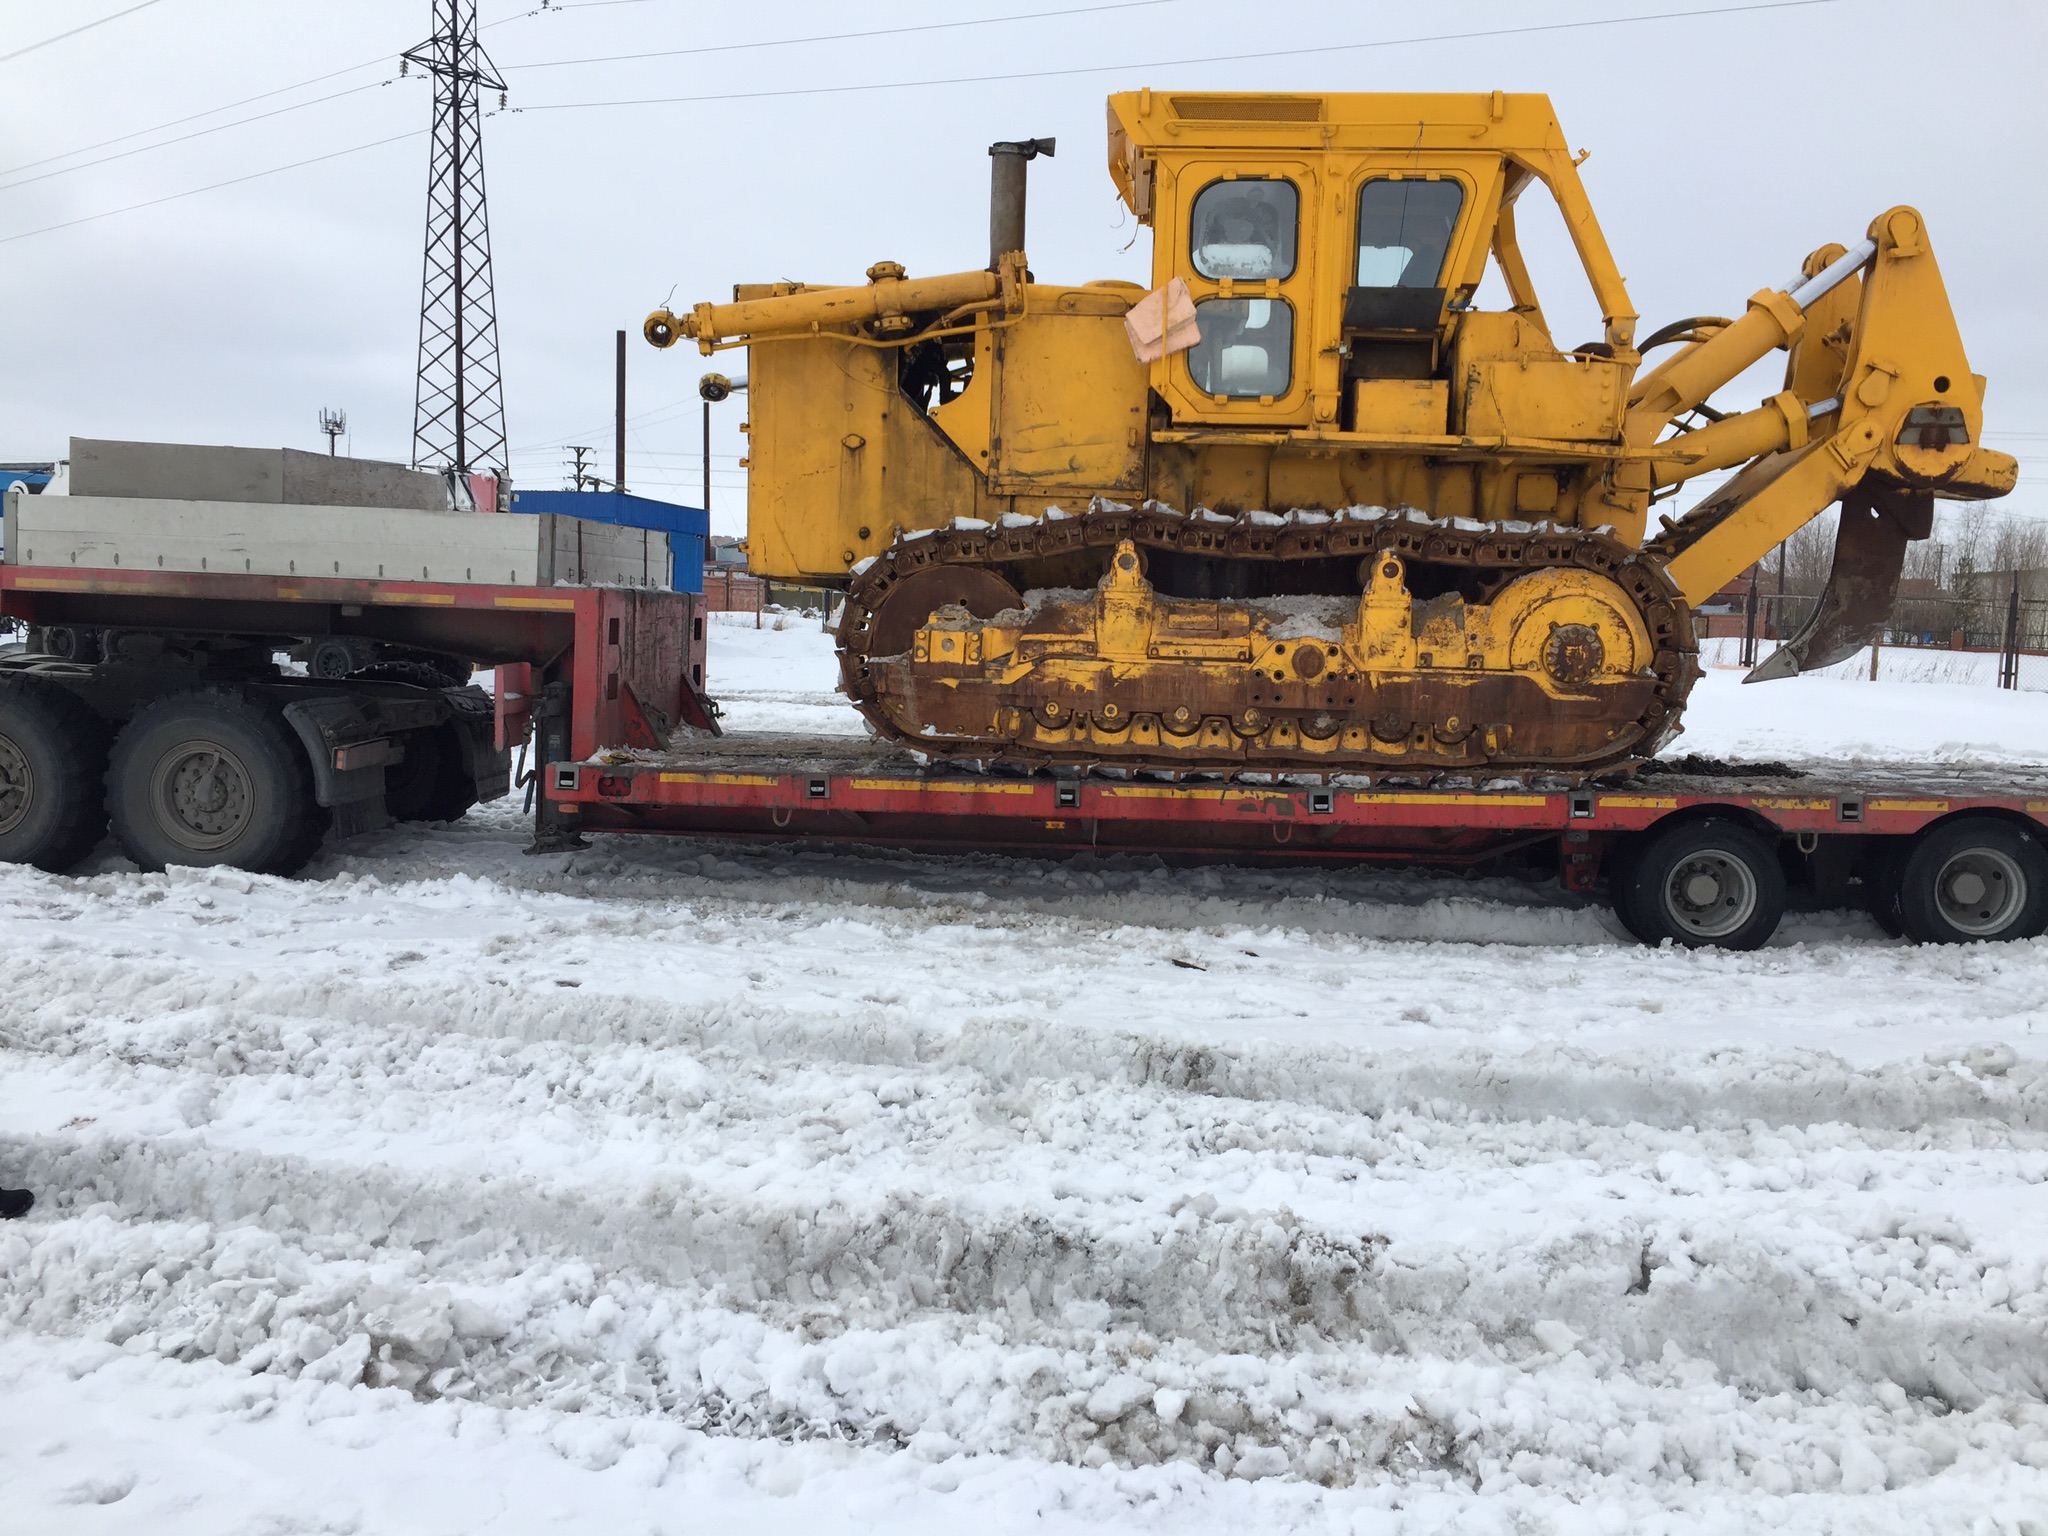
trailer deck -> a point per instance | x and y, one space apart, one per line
854 790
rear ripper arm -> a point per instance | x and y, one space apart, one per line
1880 411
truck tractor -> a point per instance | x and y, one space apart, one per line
1304 506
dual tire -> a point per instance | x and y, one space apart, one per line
1711 883
211 778
1974 879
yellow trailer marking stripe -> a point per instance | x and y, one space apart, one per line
1640 802
719 778
1531 800
1908 805
1170 792
1793 805
942 787
559 604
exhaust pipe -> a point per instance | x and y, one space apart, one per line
1006 195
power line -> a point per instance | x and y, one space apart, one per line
1566 26
233 181
8 58
197 133
193 117
1219 58
841 37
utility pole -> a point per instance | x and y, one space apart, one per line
1778 607
1749 622
333 423
619 458
458 404
2009 652
581 468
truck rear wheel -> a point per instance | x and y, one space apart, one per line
1703 884
213 779
53 752
1976 878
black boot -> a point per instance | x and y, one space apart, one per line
15 1202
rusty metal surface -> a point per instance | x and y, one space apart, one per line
1458 718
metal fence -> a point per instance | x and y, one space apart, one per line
2009 625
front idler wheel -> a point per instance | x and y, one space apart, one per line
1973 879
1711 884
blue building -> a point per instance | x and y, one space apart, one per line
686 527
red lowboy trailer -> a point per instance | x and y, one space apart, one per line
610 680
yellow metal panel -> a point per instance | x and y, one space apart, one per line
836 448
1540 396
1071 403
1402 407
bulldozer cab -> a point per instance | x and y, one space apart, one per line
1334 247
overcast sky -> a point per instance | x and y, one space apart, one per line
1724 147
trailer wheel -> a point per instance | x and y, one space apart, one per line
53 752
1976 878
433 783
210 779
1704 884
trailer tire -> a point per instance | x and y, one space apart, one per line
53 755
1881 879
213 778
433 783
1974 879
1707 884
1622 859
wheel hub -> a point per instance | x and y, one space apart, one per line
1980 890
17 785
1711 894
202 796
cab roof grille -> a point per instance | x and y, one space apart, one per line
1250 109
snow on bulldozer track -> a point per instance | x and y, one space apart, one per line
670 1186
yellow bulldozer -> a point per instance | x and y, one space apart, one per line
1303 506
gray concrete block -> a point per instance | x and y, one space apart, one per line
279 476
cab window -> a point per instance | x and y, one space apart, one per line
1247 347
1404 232
1244 229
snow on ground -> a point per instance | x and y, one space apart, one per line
1934 707
668 1186
780 676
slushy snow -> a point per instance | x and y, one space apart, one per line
670 1186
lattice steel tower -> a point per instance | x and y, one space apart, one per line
459 406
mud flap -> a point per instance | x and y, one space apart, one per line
1877 522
